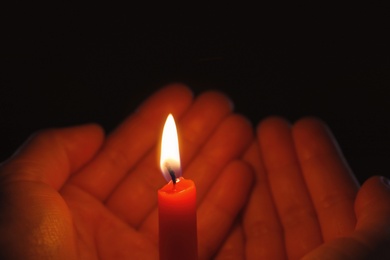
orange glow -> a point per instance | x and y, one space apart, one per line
170 156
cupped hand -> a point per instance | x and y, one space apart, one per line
306 202
73 193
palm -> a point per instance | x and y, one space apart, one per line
101 234
307 189
105 207
306 202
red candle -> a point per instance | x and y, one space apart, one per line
176 202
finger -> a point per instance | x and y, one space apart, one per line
228 142
263 232
221 148
140 186
221 206
233 246
132 140
331 184
101 235
295 209
217 211
30 204
373 214
372 235
50 156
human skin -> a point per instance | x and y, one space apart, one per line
306 203
74 193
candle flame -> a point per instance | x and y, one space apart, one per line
170 156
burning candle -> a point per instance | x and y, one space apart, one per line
176 202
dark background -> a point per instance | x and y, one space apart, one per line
64 67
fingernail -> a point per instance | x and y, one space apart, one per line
386 182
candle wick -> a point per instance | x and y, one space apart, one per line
172 174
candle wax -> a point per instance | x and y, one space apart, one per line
177 220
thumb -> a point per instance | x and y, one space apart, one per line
371 237
372 207
373 201
34 219
49 156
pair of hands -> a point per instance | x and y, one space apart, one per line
73 193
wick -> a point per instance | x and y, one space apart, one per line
172 174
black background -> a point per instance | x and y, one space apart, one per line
65 67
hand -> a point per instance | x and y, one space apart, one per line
306 202
73 194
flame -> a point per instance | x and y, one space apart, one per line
170 156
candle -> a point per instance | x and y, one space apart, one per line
176 202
